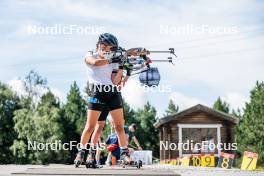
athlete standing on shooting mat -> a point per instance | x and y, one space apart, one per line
103 116
104 95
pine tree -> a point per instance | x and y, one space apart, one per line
74 117
172 108
8 104
250 131
147 134
237 113
221 105
48 128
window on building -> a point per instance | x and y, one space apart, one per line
198 136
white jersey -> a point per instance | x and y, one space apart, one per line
100 74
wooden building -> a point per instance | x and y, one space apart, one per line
197 124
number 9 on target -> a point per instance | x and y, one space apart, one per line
208 160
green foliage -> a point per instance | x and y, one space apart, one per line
43 125
8 104
74 118
37 121
147 134
237 113
250 131
42 118
75 109
221 105
172 108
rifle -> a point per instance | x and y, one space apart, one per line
136 61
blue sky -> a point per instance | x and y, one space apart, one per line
209 64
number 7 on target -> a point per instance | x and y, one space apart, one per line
249 161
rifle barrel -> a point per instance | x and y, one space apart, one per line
160 51
161 60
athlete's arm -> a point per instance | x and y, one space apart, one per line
137 143
117 77
125 80
91 60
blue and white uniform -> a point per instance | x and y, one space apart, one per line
106 96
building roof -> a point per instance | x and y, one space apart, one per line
196 108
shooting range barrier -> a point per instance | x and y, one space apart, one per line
225 161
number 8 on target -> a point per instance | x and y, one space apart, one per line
226 160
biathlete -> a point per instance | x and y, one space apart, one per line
101 123
104 95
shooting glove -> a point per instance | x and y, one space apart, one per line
121 67
114 60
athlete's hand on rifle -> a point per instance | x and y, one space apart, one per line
114 60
